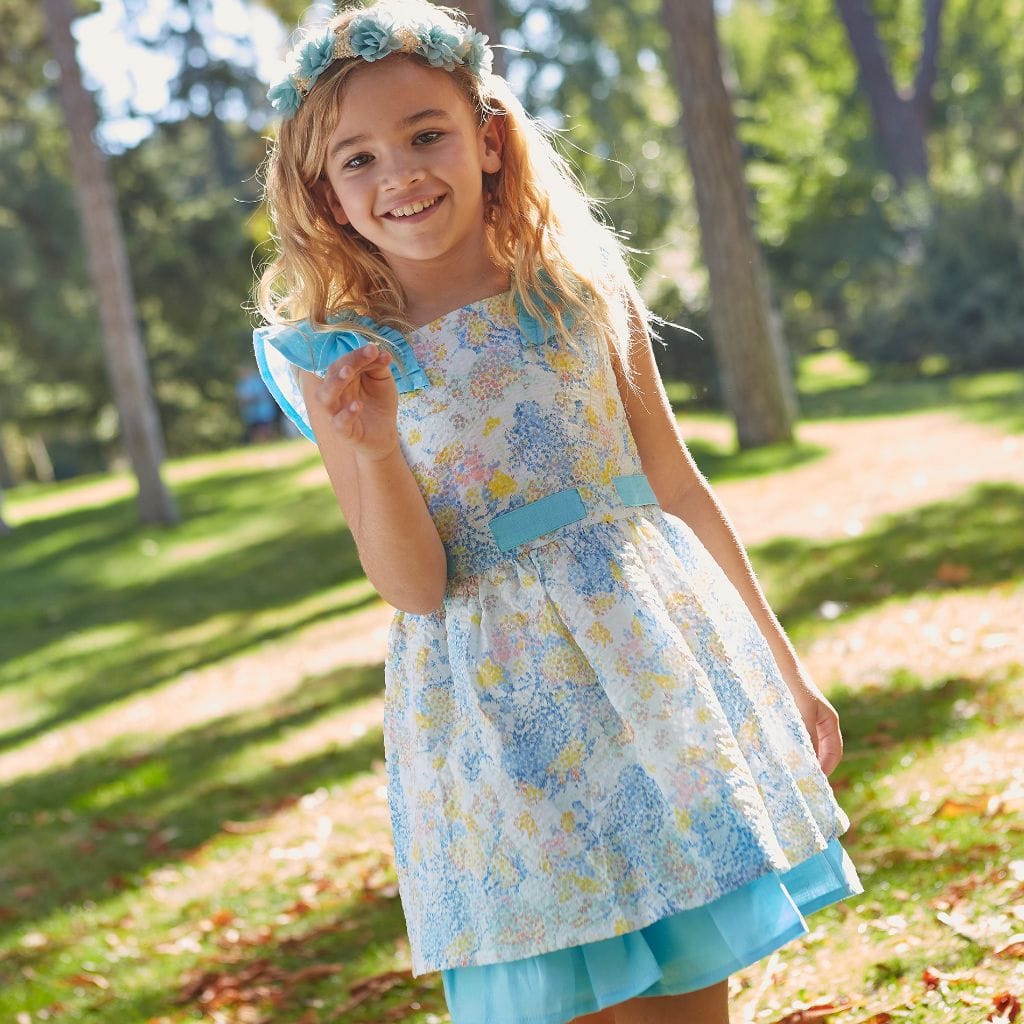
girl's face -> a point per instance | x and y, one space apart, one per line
404 165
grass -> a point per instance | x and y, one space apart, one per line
831 385
235 865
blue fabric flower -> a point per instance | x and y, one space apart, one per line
284 97
372 40
476 54
439 47
316 56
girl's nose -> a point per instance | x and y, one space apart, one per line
400 175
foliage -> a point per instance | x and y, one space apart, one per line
956 296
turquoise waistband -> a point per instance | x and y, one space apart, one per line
538 517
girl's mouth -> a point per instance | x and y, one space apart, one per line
415 212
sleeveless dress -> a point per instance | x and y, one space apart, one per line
599 784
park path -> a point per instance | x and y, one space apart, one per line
873 467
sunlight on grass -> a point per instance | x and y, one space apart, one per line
825 371
240 844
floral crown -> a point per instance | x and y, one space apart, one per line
371 37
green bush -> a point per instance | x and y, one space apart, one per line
954 293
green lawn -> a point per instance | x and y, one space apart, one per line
237 868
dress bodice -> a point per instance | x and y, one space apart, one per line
508 419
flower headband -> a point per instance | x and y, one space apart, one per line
371 38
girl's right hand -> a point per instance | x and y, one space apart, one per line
360 393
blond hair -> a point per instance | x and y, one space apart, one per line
566 265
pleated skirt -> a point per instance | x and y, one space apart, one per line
681 953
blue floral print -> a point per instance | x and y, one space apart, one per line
590 734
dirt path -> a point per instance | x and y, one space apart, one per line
873 467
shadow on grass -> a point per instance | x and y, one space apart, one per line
911 849
90 598
973 541
345 944
74 819
719 463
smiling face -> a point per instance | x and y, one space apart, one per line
405 164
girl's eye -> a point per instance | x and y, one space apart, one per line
425 138
356 161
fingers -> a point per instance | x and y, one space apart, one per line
830 746
347 369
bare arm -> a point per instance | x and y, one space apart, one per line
398 544
681 489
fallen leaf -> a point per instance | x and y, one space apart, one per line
1013 950
981 804
812 1014
952 572
88 978
1007 1007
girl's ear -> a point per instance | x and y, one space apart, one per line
492 142
328 196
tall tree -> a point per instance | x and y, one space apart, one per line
901 120
746 337
125 357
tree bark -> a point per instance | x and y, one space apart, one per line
5 527
108 267
483 18
900 121
748 347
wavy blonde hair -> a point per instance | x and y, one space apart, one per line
566 265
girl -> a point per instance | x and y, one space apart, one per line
606 767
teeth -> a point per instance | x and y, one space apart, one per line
408 211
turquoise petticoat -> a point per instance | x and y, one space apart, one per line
681 953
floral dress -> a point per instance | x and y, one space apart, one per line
590 734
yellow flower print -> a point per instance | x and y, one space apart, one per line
568 822
446 520
587 466
599 633
566 664
415 436
501 485
683 820
568 762
527 823
422 656
489 674
494 421
461 946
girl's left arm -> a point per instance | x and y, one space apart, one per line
682 490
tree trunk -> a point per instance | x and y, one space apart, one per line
748 348
482 17
4 525
900 121
108 267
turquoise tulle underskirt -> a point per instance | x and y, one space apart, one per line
680 953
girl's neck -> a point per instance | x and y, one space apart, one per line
434 289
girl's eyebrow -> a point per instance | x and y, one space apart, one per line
431 113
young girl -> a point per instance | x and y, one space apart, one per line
606 767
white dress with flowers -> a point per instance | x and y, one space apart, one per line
590 734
